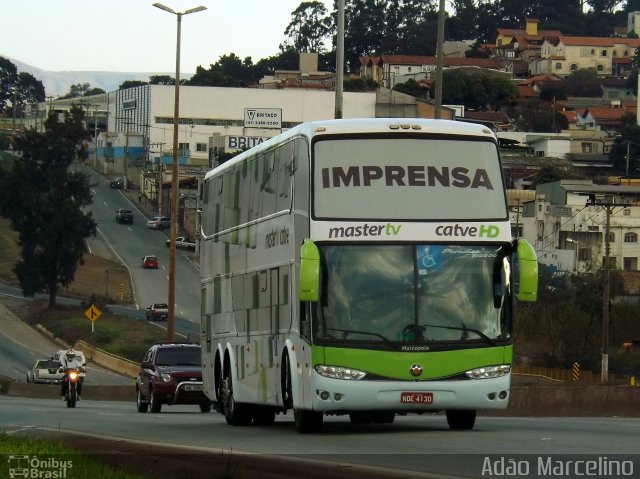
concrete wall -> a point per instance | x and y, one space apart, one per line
109 361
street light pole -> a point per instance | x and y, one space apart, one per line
174 175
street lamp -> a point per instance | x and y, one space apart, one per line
174 174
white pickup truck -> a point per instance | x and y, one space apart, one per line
183 242
157 311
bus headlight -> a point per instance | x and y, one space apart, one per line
337 372
489 372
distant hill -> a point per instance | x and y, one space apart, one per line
59 83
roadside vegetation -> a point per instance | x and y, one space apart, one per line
96 282
79 464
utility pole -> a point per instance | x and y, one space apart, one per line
606 299
437 111
160 175
606 295
95 138
339 61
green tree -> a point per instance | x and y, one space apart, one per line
131 84
43 199
309 27
28 90
363 21
584 82
228 71
358 84
555 90
628 140
76 90
549 173
479 90
161 80
538 116
94 91
8 80
462 25
410 87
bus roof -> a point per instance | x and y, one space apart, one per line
362 125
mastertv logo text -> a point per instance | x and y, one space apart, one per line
389 229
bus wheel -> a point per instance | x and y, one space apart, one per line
384 417
285 383
461 419
360 417
264 416
307 421
235 414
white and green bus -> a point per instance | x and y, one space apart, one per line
364 268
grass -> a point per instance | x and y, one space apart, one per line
123 336
126 337
53 456
98 277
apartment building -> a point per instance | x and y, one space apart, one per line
567 221
564 54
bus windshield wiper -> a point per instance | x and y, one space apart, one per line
370 333
463 328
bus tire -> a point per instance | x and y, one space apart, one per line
459 420
384 417
285 383
235 414
264 416
360 417
307 421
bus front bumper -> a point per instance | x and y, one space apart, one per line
338 395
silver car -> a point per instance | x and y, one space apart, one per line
159 222
45 371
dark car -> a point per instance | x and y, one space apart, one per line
117 183
124 216
171 373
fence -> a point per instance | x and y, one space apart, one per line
559 374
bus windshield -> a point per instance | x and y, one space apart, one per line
406 294
444 178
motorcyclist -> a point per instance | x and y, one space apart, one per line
72 360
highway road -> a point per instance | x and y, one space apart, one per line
130 242
413 443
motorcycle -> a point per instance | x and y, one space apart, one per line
72 377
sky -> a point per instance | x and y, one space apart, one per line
135 36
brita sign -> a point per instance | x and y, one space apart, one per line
263 117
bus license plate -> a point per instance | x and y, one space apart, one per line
416 398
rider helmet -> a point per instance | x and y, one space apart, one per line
70 354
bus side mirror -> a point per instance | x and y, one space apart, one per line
528 266
309 271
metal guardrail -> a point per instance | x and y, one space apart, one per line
558 374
